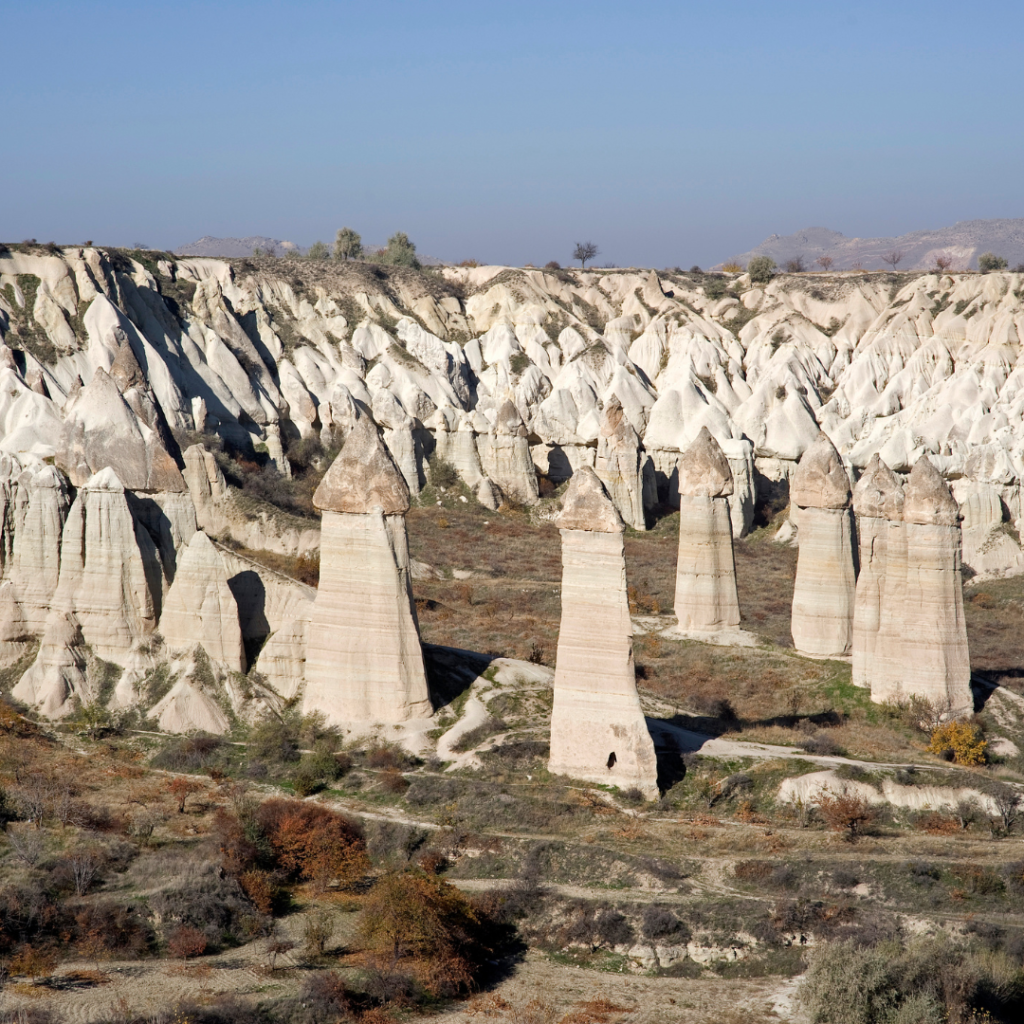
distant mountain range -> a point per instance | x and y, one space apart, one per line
963 243
237 247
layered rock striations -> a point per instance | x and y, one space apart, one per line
878 506
934 662
598 730
824 592
200 608
364 663
706 599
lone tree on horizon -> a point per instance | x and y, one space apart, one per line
585 251
825 262
893 257
348 245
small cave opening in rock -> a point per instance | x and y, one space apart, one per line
612 759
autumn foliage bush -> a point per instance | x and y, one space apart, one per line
301 840
962 742
418 926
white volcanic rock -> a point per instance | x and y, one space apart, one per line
36 508
458 448
187 707
57 676
505 456
101 430
109 569
877 502
598 730
824 592
200 608
283 658
364 663
705 596
619 464
740 454
934 658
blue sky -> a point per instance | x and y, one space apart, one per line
669 133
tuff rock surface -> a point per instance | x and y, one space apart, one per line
598 730
824 592
705 596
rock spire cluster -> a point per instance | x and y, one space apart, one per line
598 730
920 643
706 599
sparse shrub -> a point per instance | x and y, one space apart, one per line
326 997
474 737
111 928
188 753
795 265
715 286
847 814
317 932
960 742
937 824
552 265
318 251
181 788
659 922
612 929
822 745
761 269
732 267
186 942
348 245
443 474
393 781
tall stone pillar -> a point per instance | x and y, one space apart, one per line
823 596
877 501
706 599
364 663
936 663
598 730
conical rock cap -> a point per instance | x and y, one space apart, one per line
928 500
586 505
363 477
879 493
509 421
820 480
704 469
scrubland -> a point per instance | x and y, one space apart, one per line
286 874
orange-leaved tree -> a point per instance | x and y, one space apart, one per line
414 924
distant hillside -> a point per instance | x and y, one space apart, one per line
237 247
210 246
963 243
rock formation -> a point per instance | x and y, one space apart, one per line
934 662
877 503
619 464
823 596
101 429
110 575
706 599
505 455
57 676
200 608
364 663
598 731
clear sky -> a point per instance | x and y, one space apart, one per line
669 133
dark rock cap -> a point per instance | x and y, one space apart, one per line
363 477
928 500
703 468
586 505
820 480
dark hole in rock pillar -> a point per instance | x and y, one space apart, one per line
612 759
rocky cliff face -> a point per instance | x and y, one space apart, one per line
113 363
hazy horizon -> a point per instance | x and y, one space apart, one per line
670 135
